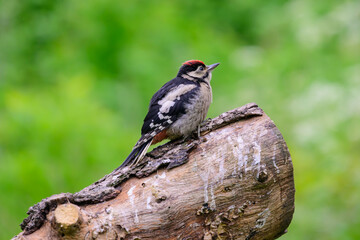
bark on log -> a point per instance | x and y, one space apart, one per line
235 182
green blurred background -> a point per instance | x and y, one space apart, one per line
76 78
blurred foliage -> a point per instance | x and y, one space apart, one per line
76 78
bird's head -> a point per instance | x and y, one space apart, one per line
196 70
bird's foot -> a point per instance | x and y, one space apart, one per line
196 134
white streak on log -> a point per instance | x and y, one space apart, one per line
274 160
257 157
263 217
221 169
240 162
237 150
213 203
245 164
131 198
205 178
235 153
163 175
204 175
148 200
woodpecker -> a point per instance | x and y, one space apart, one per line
176 109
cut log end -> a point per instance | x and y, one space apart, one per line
67 219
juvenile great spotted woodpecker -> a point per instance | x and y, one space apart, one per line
176 109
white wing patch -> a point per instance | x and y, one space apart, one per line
165 107
161 116
152 125
169 100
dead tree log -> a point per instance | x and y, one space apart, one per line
235 182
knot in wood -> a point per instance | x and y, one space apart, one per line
205 209
160 199
262 176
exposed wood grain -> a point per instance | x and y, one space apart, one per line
235 182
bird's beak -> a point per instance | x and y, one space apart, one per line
212 67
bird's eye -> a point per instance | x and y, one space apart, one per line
201 68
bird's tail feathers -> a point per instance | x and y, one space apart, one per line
136 154
142 153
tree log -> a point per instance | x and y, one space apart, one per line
235 182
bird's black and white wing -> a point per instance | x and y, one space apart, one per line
166 106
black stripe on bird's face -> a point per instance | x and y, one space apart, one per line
192 68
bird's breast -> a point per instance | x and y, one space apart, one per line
196 111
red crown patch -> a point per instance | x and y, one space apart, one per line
192 62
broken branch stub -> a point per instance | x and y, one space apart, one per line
235 182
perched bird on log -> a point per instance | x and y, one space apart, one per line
176 109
